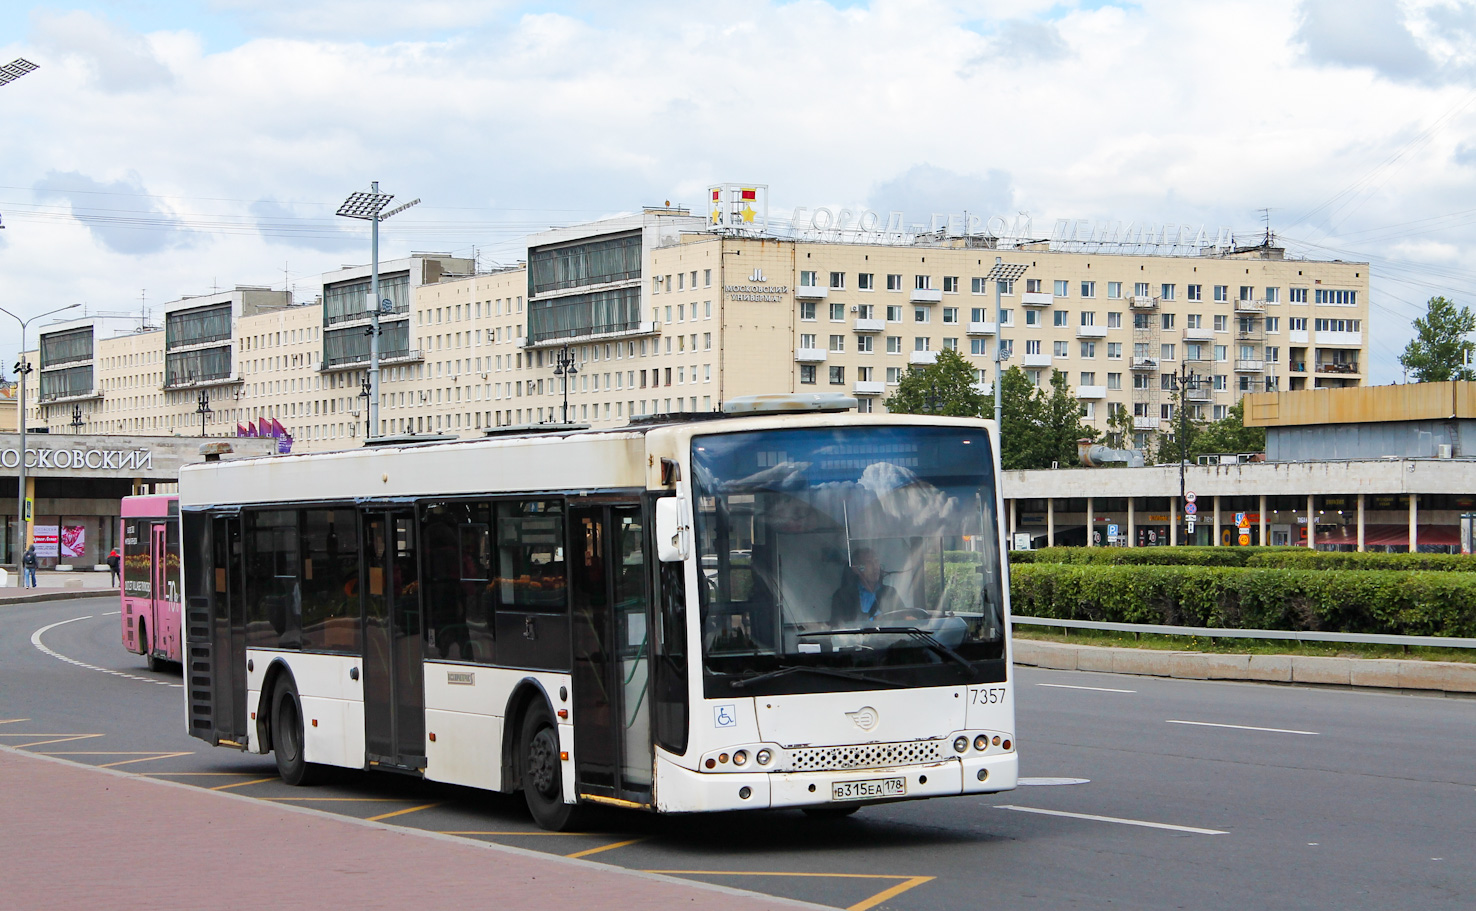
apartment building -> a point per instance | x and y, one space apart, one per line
658 312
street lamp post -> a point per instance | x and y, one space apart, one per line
1001 273
77 421
22 367
369 207
203 410
564 367
366 392
1184 382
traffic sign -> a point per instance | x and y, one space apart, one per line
1111 531
1241 521
1190 509
1191 523
1190 497
1245 540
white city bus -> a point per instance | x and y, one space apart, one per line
785 605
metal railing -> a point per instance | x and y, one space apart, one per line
1212 632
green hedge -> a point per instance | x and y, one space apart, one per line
1410 602
1259 557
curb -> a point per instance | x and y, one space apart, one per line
1381 673
70 594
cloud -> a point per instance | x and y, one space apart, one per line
1026 39
121 215
362 19
283 226
1400 41
924 190
120 60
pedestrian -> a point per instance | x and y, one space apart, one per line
113 562
28 562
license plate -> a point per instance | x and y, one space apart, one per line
868 789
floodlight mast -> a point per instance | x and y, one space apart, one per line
15 69
1001 273
369 206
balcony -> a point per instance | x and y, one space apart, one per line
1252 334
869 387
922 358
810 293
1037 299
984 388
1297 366
1091 331
603 333
1249 366
869 325
1199 335
1250 306
926 296
1091 392
1297 336
520 342
1037 360
983 328
1145 363
1332 367
1339 339
358 361
1143 303
1142 423
1201 394
83 395
809 355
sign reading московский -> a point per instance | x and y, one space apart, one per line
80 459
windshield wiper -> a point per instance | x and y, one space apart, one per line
923 636
813 669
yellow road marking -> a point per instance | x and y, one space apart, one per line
908 882
403 812
339 799
610 847
151 774
109 765
58 738
242 784
480 832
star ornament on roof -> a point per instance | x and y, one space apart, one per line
717 216
747 213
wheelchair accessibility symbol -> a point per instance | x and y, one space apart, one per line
723 716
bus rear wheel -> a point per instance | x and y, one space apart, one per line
542 770
288 738
153 663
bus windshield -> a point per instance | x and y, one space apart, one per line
847 558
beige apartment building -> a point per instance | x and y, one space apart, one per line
659 312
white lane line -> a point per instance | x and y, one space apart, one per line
36 641
1122 822
1095 689
112 613
1244 727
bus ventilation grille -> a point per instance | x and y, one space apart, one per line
865 756
199 667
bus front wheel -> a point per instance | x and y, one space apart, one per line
542 771
287 737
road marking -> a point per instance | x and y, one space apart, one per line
602 848
482 832
111 613
12 720
908 882
57 738
222 774
1096 689
1044 782
338 799
36 641
242 784
1244 727
1124 822
112 765
384 816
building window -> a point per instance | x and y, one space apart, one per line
1114 350
894 282
1166 292
894 375
1222 353
920 314
1166 412
1063 288
838 280
1032 317
1273 354
1088 318
838 343
1061 318
1114 320
1219 382
950 344
1194 292
837 313
863 406
1007 317
922 282
979 347
1088 378
1032 286
1061 349
807 311
864 311
1222 323
1273 324
894 313
865 281
1088 289
837 376
1221 411
922 343
1032 346
863 344
1114 381
807 340
809 279
950 315
1114 290
1337 298
1166 321
1273 295
1299 295
1089 349
1166 352
1006 348
1297 323
1337 325
1140 289
807 374
1222 294
894 344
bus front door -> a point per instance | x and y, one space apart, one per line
394 693
612 730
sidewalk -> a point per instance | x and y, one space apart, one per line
55 586
79 837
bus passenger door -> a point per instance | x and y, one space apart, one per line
612 731
158 606
394 693
228 630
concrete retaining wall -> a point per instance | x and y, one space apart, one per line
1445 676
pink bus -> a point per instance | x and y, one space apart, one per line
150 582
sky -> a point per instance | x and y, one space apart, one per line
171 148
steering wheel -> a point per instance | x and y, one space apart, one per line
906 615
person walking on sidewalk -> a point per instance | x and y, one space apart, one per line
113 561
28 563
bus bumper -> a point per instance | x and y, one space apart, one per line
680 790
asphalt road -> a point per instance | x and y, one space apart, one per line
1197 795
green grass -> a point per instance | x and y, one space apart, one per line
1243 646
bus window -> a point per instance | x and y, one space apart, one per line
330 580
273 601
457 576
138 564
669 694
530 556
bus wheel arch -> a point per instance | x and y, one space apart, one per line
266 703
289 734
525 696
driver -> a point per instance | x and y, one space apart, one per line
862 596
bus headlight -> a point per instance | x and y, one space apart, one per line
740 757
981 743
764 757
960 744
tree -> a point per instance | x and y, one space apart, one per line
1120 428
945 386
1440 350
1229 434
1019 420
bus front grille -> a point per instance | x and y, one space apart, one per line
865 756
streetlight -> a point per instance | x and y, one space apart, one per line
203 410
368 207
77 421
1183 382
564 367
1001 273
22 367
366 393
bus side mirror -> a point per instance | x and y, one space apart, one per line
672 537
